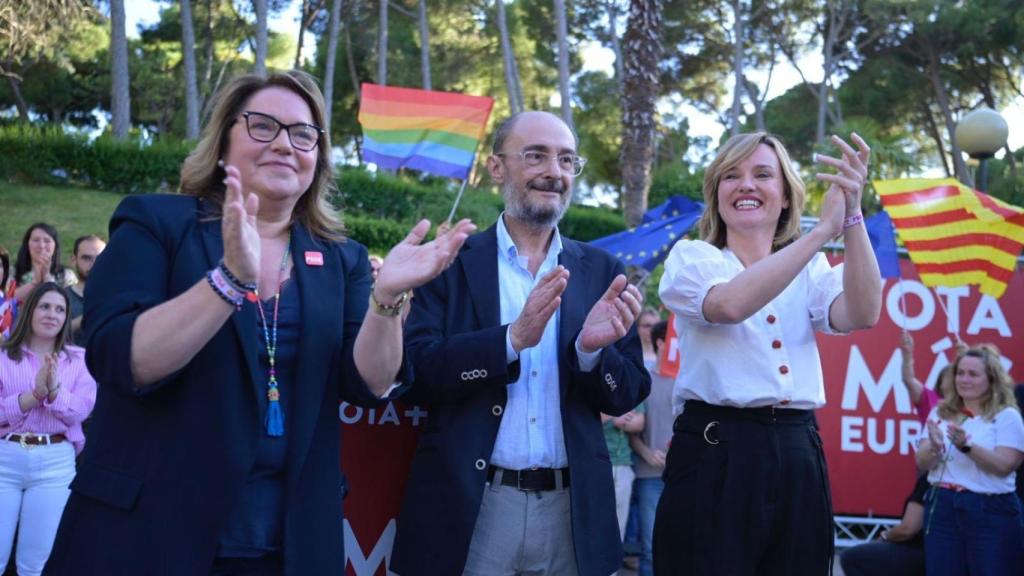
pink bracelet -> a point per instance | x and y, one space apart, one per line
853 221
225 288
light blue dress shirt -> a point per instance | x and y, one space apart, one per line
530 434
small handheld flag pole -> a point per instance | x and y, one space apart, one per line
956 329
903 303
457 199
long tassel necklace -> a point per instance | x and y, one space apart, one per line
275 417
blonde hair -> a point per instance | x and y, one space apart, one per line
202 177
711 226
1000 386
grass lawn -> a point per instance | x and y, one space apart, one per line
72 211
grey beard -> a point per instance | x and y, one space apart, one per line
531 214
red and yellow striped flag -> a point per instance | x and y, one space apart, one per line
955 235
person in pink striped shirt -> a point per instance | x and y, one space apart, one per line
45 394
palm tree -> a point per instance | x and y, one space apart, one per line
641 51
120 99
188 41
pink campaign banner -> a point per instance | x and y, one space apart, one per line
868 425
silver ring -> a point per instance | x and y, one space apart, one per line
708 429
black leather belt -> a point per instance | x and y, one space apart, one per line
531 480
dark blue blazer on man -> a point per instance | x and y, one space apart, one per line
163 466
456 343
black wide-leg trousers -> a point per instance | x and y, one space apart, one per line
746 494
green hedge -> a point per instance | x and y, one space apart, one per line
34 154
46 155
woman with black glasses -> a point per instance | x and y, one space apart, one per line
226 323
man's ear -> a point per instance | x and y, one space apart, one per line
496 169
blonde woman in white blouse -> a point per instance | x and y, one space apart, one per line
971 448
746 488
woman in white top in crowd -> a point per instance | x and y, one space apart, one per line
746 489
971 448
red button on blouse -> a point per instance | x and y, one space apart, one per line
776 344
783 369
771 319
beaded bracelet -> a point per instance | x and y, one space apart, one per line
225 288
853 221
242 286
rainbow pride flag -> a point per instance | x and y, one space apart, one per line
955 235
435 132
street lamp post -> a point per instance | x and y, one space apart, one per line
981 133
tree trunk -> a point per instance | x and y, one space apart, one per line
562 29
827 50
960 167
641 53
382 45
933 131
19 100
260 66
302 30
350 61
188 48
424 45
332 55
208 54
613 37
737 68
754 95
508 60
120 98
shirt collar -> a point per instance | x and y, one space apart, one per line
508 248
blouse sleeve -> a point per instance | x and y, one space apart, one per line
11 415
77 394
691 270
1010 429
825 284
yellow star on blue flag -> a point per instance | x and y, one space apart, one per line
648 244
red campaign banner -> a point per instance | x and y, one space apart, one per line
377 446
868 423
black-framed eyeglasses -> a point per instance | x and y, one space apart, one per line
265 128
568 163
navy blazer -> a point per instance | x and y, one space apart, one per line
163 465
456 343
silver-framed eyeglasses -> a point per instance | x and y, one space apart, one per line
265 128
568 163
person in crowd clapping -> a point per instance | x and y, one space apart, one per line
45 394
971 447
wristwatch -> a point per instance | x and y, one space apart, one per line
965 448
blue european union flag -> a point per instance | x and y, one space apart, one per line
648 245
883 242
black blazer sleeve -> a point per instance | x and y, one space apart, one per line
453 356
131 276
621 362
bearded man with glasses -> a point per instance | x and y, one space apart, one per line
517 349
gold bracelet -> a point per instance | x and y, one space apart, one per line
389 311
